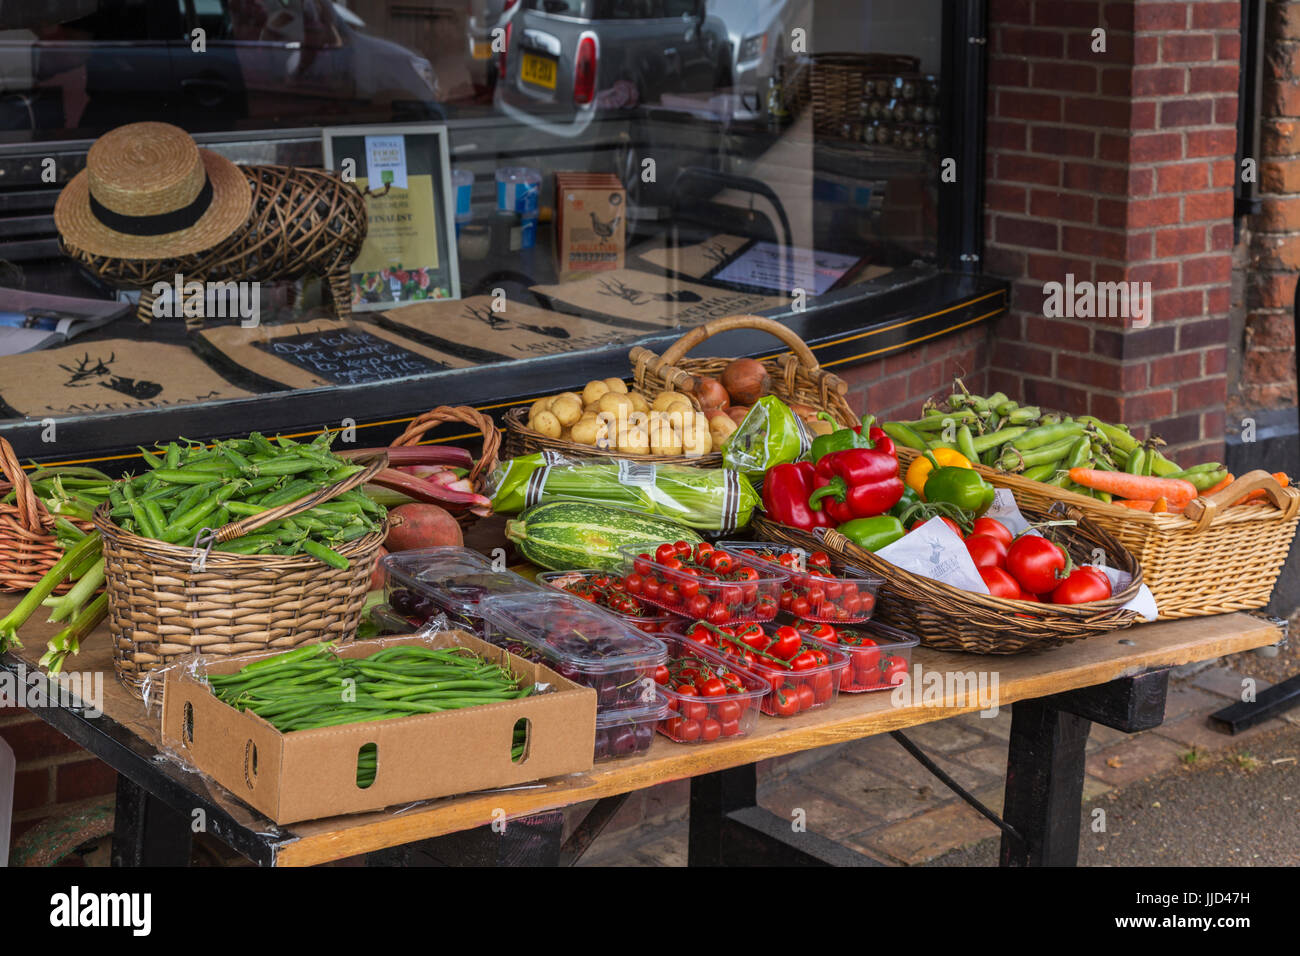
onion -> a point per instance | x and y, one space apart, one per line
746 381
712 395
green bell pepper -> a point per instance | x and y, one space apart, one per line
910 498
962 487
872 534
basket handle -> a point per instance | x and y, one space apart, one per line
31 512
422 424
237 529
1203 510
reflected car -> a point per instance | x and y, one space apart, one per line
759 32
572 57
255 62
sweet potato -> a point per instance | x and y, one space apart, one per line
422 526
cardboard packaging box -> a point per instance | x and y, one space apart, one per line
590 224
309 774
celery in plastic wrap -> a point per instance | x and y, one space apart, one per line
713 499
770 435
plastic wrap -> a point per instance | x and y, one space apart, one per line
710 499
770 435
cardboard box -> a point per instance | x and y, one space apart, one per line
590 224
310 774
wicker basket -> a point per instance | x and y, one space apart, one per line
27 547
165 601
835 83
522 440
1212 559
303 222
487 459
952 619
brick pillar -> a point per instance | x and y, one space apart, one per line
1115 165
1267 378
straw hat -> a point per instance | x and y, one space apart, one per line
148 192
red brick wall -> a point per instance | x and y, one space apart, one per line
1115 166
1267 377
54 774
896 386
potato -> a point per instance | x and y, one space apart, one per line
539 406
665 400
616 404
591 394
576 396
548 425
695 436
636 441
616 385
609 433
587 431
664 438
568 409
639 402
720 428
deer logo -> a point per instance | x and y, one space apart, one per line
620 290
86 374
497 322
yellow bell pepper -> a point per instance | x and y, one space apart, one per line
919 470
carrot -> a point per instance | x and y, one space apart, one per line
1144 487
1228 479
1279 476
1161 506
1137 504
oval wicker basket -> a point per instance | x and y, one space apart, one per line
835 83
166 601
487 459
952 619
1212 559
28 549
522 440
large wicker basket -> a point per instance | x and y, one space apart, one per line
165 601
302 222
836 80
953 619
27 546
487 459
1212 559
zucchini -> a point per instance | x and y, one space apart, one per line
568 535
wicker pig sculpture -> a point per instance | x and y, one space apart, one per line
302 222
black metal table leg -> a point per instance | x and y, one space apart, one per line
1044 789
146 831
728 828
1045 762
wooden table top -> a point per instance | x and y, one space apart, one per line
1085 663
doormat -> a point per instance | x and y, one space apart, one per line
655 300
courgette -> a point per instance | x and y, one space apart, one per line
568 535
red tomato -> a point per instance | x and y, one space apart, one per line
664 552
994 529
718 613
800 607
679 728
894 671
730 728
702 551
710 730
823 685
1035 563
823 632
633 583
819 559
727 710
661 675
987 551
807 697
820 656
1083 585
697 605
944 518
866 658
784 700
711 687
786 643
803 661
681 549
1001 584
670 595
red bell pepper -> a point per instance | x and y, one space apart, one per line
856 483
876 434
786 490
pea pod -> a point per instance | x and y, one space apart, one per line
966 443
1048 435
904 435
1136 462
1079 453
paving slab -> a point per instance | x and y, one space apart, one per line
823 814
1139 757
1226 682
919 839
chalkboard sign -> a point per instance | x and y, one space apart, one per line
349 356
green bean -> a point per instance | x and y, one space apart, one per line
324 554
182 476
150 459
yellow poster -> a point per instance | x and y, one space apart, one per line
399 261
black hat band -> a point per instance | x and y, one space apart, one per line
159 224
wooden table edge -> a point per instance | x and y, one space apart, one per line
636 773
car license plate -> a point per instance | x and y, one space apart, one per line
538 70
482 50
